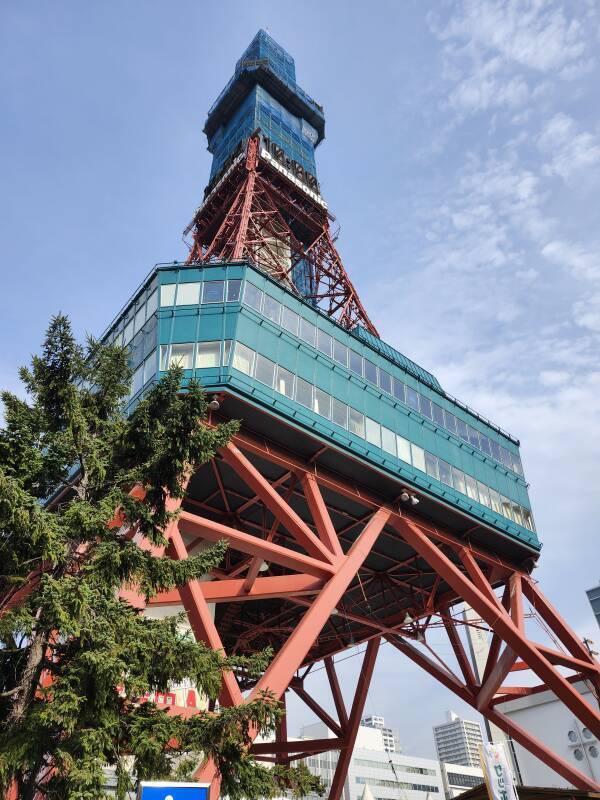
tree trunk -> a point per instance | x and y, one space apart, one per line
30 678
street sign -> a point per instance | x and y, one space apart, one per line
171 790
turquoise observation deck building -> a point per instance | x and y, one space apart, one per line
237 331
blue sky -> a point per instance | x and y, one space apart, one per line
462 161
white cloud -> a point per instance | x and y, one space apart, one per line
533 34
553 377
583 263
569 150
504 53
586 312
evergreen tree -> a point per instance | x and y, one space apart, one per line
75 660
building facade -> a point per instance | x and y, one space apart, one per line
457 740
391 738
594 598
389 775
556 727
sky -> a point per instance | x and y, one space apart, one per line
462 162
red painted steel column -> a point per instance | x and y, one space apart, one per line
488 610
362 688
279 674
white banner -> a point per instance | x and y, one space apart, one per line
498 775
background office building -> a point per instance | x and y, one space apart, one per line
382 775
550 721
391 738
594 598
457 740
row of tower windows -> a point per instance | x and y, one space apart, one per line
363 367
296 388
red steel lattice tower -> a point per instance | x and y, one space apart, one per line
362 504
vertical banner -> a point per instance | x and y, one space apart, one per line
498 774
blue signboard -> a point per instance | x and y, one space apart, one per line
170 790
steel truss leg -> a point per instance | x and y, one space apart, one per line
320 572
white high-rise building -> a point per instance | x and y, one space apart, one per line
391 738
374 773
458 740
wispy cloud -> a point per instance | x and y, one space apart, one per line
569 149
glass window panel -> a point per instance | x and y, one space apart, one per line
388 440
484 494
370 371
385 381
356 422
285 382
527 518
458 480
308 332
290 321
373 431
149 367
340 353
516 464
164 356
461 429
438 414
412 398
167 294
471 484
495 501
152 304
253 296
484 444
418 457
272 309
243 357
208 354
425 406
322 403
140 318
445 472
233 291
128 332
137 381
355 362
399 390
516 510
505 457
450 421
324 342
403 446
506 506
495 450
213 291
473 436
188 294
226 352
264 370
304 392
181 355
339 412
118 339
431 466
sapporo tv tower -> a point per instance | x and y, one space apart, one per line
361 502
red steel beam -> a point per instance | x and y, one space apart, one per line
275 503
336 692
362 688
320 514
292 654
488 610
317 710
529 742
252 545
